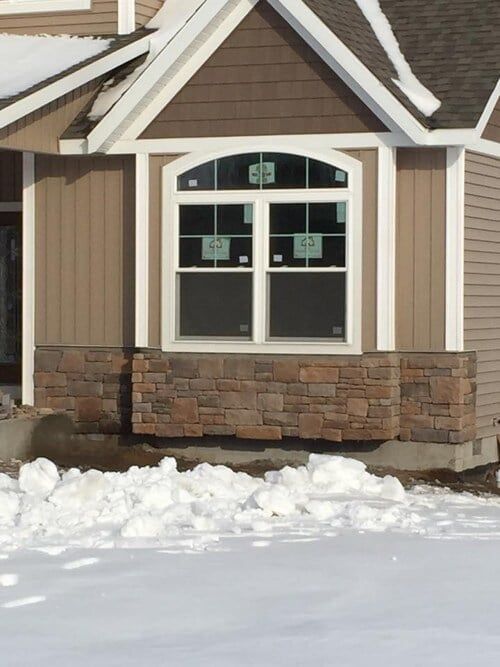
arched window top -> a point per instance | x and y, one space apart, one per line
262 171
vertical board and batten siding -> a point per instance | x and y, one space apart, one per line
482 283
263 80
492 129
40 131
11 176
420 249
100 19
84 250
368 158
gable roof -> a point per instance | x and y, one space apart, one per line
452 46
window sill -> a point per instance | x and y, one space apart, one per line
8 7
247 347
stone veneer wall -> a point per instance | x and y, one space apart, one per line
92 386
376 396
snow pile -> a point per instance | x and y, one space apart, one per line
34 58
171 18
415 91
95 509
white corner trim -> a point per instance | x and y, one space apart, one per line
28 302
126 16
455 205
45 6
386 249
486 147
67 83
141 250
488 110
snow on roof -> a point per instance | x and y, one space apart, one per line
30 59
420 96
167 22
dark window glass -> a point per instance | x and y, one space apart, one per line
306 305
215 305
201 177
287 218
196 220
322 175
235 219
282 252
281 171
191 253
331 251
327 218
237 251
239 172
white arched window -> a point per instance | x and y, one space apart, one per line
262 251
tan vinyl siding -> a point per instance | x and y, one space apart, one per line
40 130
369 161
492 129
264 79
11 176
145 10
482 283
101 19
84 250
420 248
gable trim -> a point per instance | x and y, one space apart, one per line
488 110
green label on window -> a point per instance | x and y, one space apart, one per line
307 245
248 214
341 212
262 173
215 248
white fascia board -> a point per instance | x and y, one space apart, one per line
73 146
386 249
67 83
44 6
147 79
485 147
488 110
126 17
455 213
28 270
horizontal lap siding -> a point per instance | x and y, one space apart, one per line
482 282
11 176
420 249
84 250
145 10
264 79
492 129
101 19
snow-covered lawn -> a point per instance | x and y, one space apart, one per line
324 565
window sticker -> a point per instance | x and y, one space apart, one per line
341 212
243 259
213 248
243 328
307 245
340 176
192 182
338 331
247 214
277 258
264 173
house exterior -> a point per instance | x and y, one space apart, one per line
260 219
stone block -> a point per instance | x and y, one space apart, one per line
169 430
286 370
83 388
357 407
237 417
417 421
202 384
184 367
321 389
270 402
239 368
228 385
211 367
353 373
449 389
142 407
61 402
259 432
323 374
154 377
50 380
185 411
209 401
332 434
158 366
144 387
238 399
140 365
310 425
219 429
429 435
88 408
97 355
281 418
193 430
47 360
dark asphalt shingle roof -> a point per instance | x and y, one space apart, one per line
452 46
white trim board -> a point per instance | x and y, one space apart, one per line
455 211
126 16
28 299
488 110
67 83
42 6
141 250
386 249
486 147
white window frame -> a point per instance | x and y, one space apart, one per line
260 199
42 6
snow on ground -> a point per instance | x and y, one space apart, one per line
321 565
414 90
34 58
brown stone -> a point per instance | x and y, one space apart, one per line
50 380
211 367
88 409
47 360
219 429
449 389
357 407
193 430
144 429
72 361
323 374
378 391
310 425
142 407
238 399
82 388
259 432
61 402
202 384
228 385
154 377
158 365
333 434
237 417
281 418
353 373
429 435
144 387
169 430
185 411
333 420
239 368
321 389
184 367
286 370
270 402
418 421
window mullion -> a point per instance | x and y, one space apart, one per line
259 297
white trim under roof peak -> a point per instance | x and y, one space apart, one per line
488 110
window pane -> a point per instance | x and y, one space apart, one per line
281 170
239 172
327 218
330 251
201 177
283 252
322 175
215 305
237 251
235 219
192 252
305 305
196 220
287 218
